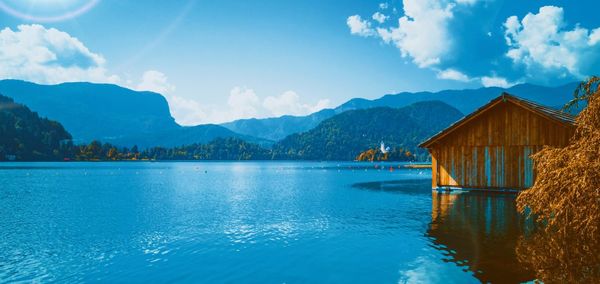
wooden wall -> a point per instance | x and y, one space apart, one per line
493 150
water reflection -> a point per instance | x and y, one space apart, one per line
411 186
479 232
565 257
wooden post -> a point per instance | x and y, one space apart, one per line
434 170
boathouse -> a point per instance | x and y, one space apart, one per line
491 148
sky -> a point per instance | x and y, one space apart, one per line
221 60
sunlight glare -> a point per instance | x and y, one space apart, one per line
47 10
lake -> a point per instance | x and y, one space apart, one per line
250 222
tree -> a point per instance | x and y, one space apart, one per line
583 93
565 200
94 150
112 153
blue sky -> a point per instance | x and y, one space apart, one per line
221 60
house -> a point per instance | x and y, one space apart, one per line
491 148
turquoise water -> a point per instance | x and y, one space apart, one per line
249 222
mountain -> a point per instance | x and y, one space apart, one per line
94 111
26 136
465 101
345 135
469 100
111 113
277 128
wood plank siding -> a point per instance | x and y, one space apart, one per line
492 147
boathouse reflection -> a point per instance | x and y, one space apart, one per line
479 231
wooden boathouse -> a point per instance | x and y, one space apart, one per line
491 148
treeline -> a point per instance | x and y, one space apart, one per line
218 149
395 154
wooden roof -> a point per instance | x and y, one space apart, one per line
544 111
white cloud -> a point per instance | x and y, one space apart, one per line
383 6
289 103
422 33
41 55
439 35
242 103
594 37
155 81
467 2
495 81
541 43
379 17
187 111
453 74
360 27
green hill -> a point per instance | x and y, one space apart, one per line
26 136
346 135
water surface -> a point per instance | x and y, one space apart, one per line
251 222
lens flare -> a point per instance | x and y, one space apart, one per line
46 11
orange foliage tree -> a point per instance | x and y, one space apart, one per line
565 200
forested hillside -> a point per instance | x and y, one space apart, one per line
26 136
346 135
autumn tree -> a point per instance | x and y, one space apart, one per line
565 200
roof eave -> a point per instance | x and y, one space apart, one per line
502 98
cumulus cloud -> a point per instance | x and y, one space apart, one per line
422 33
383 6
451 38
289 103
439 35
467 2
155 81
242 103
360 27
453 74
594 37
187 111
379 17
38 54
543 44
495 81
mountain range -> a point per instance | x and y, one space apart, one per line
466 101
126 117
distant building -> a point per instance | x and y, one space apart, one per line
491 148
